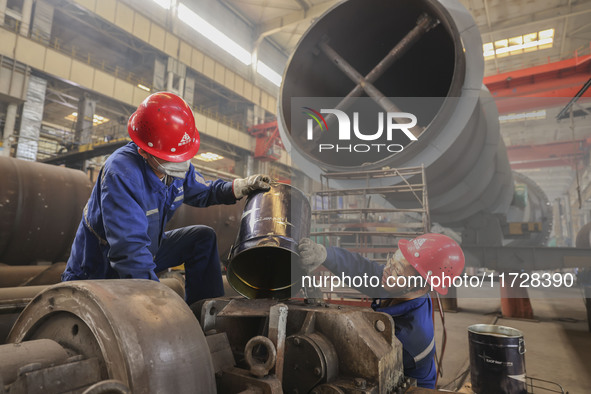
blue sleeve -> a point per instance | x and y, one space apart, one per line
340 261
126 228
202 193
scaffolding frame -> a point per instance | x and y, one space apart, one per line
411 181
330 228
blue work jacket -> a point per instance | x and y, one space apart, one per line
413 318
123 221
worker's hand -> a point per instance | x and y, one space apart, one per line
312 255
244 186
393 269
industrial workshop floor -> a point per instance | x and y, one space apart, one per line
558 342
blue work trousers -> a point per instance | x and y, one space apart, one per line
196 247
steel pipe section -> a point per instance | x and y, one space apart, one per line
30 275
14 356
460 145
41 207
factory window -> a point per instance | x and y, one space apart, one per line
15 5
530 42
13 14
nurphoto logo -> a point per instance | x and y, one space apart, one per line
388 123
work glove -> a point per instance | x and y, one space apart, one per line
312 255
244 186
394 268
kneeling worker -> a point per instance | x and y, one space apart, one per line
428 255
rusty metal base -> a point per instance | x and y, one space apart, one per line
138 332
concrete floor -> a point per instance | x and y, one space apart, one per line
558 342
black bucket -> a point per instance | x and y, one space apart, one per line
264 261
497 359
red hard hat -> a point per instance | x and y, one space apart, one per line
434 255
164 126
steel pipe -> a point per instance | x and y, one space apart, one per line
41 206
466 162
30 275
43 351
13 298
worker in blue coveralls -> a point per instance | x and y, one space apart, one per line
141 185
428 255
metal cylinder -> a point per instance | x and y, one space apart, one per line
43 351
13 298
466 162
30 275
497 359
263 260
40 209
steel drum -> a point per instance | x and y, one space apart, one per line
264 260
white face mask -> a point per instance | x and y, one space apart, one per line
175 170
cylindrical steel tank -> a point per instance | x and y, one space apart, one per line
263 260
40 209
465 158
30 275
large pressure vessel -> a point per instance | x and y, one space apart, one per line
436 74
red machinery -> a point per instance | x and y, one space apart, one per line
268 143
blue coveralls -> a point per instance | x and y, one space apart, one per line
121 234
413 319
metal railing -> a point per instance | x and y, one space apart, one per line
544 385
53 142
